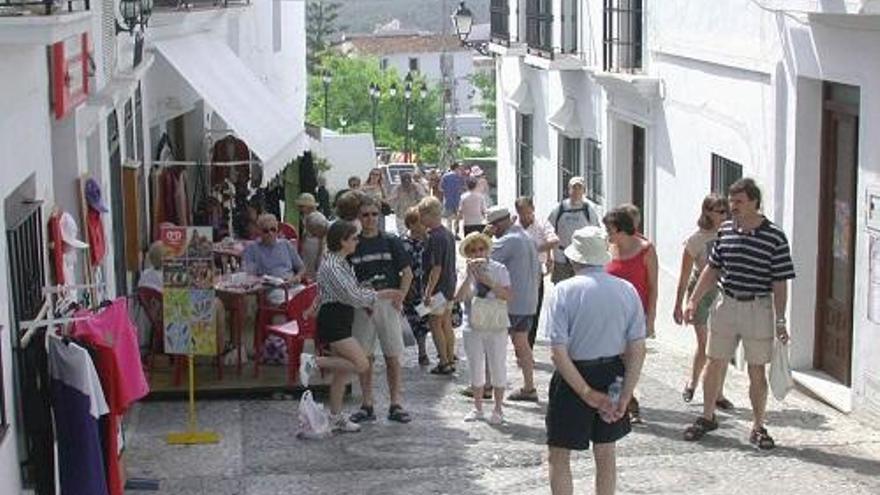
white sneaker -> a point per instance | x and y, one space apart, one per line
307 365
496 418
475 415
340 422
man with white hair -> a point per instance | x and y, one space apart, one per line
597 333
273 257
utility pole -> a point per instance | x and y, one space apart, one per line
447 72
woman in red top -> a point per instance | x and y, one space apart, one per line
634 259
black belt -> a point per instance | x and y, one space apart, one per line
594 362
743 297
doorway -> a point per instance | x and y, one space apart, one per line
832 351
638 170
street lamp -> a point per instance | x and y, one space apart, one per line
134 13
326 79
463 20
375 94
407 96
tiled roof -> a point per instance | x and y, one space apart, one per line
389 44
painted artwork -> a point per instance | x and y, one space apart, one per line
188 294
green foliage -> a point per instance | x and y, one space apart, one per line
485 84
348 97
321 25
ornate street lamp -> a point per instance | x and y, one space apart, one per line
463 21
375 94
407 96
134 13
343 122
326 79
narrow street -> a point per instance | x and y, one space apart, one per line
819 450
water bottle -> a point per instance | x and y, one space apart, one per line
614 391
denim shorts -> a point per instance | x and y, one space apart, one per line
520 323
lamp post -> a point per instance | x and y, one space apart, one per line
463 21
375 94
326 79
134 13
408 99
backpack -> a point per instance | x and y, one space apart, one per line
560 210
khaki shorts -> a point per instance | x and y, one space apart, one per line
750 321
382 325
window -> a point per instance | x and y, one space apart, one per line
499 18
539 25
569 17
524 155
593 173
570 164
4 423
622 43
276 26
383 64
413 64
724 173
129 130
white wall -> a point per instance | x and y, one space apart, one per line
429 66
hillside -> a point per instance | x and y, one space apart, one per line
361 16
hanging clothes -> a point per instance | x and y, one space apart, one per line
308 174
97 241
37 415
78 401
56 244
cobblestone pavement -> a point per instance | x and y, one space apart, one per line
820 451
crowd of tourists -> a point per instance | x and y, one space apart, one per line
375 286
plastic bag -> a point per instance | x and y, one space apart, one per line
780 371
314 423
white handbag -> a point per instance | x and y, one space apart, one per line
780 371
488 314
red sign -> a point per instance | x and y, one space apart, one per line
70 73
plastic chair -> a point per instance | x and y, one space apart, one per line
288 231
297 329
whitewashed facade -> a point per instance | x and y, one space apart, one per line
682 97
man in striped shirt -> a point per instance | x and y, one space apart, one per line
751 263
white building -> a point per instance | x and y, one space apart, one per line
87 110
659 103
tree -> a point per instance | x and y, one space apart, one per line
485 84
348 97
321 17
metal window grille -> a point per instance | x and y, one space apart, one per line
524 183
539 26
413 64
108 36
569 18
623 38
593 174
724 173
24 243
570 163
499 19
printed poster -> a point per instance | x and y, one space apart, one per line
188 291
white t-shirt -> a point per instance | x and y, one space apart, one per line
499 275
541 232
473 208
152 278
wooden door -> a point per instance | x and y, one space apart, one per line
837 229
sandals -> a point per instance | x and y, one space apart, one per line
687 394
635 415
699 429
396 413
724 404
523 395
469 392
443 369
424 360
364 414
761 439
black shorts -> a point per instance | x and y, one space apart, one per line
473 228
571 423
334 322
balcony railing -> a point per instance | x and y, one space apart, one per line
46 7
499 21
197 4
539 27
623 38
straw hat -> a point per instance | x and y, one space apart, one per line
589 246
473 238
306 199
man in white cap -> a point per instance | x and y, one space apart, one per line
570 214
514 249
597 332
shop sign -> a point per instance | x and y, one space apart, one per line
69 61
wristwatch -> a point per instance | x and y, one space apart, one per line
780 321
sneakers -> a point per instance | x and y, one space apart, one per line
496 418
308 364
341 423
475 415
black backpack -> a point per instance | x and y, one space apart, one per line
561 210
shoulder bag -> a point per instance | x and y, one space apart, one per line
488 314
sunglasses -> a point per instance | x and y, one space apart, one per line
370 214
270 230
720 211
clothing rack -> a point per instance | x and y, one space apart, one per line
190 163
46 316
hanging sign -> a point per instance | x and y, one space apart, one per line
188 291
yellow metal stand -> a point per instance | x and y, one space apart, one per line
192 436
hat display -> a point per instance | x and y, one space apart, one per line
93 196
589 246
473 237
476 171
576 180
496 213
306 199
70 232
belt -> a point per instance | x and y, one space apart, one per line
744 297
594 362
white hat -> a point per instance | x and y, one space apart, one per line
496 213
576 180
70 232
588 246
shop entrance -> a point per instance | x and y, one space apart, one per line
638 168
837 227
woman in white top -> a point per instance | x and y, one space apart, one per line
489 279
472 208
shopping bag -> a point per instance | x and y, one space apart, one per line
780 371
488 315
409 339
314 423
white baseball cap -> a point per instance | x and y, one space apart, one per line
70 232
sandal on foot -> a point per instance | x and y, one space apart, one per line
396 413
443 369
523 395
687 394
424 360
364 414
699 429
635 414
761 439
724 404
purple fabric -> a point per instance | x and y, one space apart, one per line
93 196
80 461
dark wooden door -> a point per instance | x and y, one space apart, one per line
638 168
837 229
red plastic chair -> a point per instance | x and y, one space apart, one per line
298 328
288 231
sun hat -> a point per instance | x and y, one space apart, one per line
576 180
496 213
472 238
306 199
476 171
70 231
93 196
588 246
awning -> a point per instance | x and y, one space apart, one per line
258 117
566 120
521 99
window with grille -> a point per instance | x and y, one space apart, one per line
413 64
499 19
570 164
724 173
539 25
524 183
569 18
623 38
593 173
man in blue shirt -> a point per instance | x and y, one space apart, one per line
452 185
272 257
593 318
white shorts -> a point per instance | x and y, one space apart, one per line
382 325
486 347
